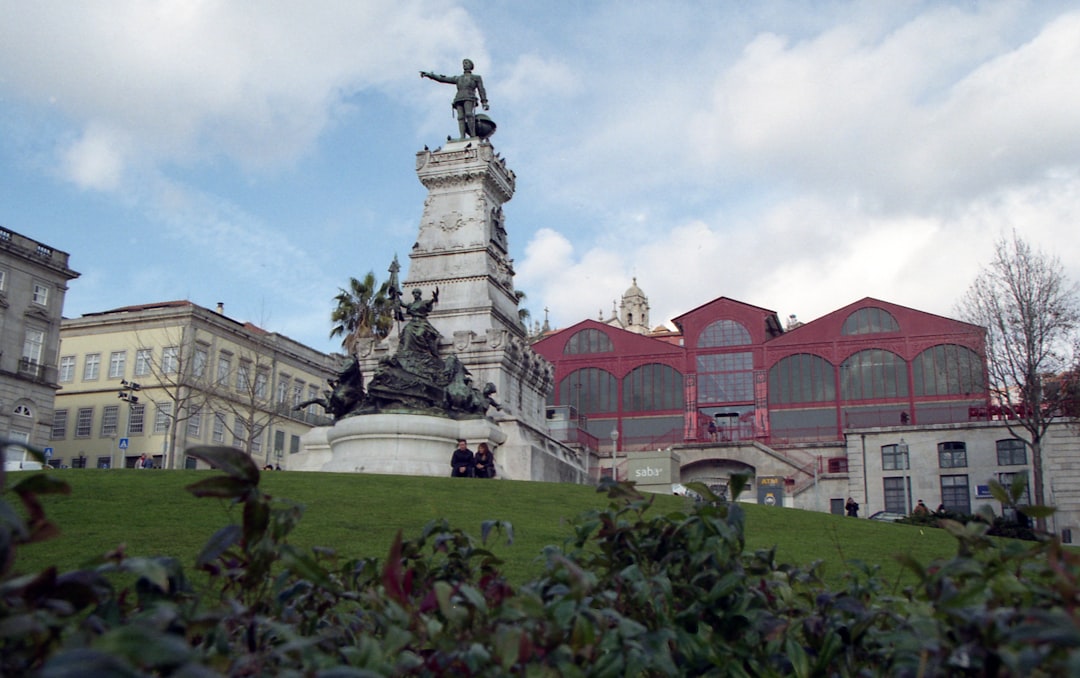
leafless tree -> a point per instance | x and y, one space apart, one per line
246 394
1031 313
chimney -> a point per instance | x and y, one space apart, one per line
221 308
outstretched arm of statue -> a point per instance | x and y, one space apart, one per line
448 79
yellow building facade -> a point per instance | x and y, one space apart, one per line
140 385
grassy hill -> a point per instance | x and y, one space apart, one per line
151 514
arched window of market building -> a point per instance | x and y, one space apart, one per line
653 387
948 369
870 320
802 378
591 390
872 374
588 341
723 333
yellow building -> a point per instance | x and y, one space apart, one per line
157 379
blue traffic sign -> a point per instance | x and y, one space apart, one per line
48 452
123 443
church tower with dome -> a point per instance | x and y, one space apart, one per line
634 310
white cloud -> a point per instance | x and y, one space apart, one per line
96 160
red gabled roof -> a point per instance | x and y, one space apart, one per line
623 341
912 322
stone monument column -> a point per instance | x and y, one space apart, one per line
462 250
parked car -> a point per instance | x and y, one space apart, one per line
887 516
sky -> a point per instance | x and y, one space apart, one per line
793 155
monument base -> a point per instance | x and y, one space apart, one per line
402 444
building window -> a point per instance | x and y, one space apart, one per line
1011 452
256 439
588 341
297 393
136 417
872 320
261 378
955 495
219 428
243 377
312 393
67 369
723 333
802 378
896 495
84 422
170 359
873 374
194 422
279 443
239 432
224 366
59 425
653 387
92 367
161 418
41 294
282 389
110 418
117 364
590 390
894 459
725 378
198 363
143 357
33 344
948 369
3 280
952 455
294 444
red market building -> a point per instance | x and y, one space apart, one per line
733 373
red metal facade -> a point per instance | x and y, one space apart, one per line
870 363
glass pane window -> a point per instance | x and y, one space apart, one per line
170 359
872 320
896 495
198 362
955 494
894 458
653 387
117 364
67 369
590 390
136 419
161 418
261 380
243 377
948 369
194 423
59 425
1011 452
724 333
873 374
33 343
41 294
588 341
84 422
1006 480
92 367
219 427
802 378
143 356
725 378
110 418
952 455
224 366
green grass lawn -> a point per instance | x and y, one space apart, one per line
358 515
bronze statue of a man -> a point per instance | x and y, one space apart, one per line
468 86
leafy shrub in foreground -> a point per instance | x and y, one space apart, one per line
629 593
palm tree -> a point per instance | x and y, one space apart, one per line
523 313
363 310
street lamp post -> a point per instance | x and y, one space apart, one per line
615 454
